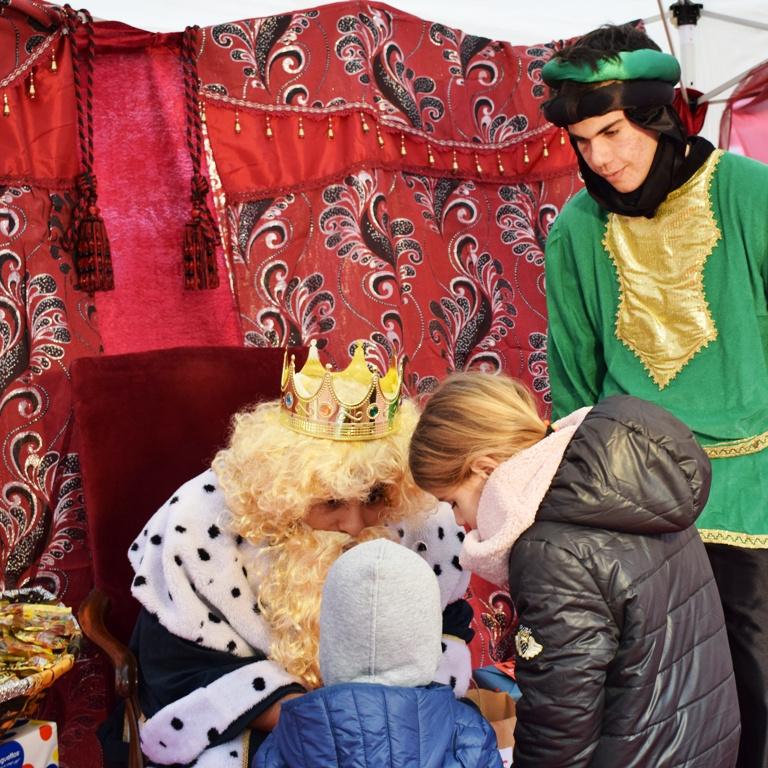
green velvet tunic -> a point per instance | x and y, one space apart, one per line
673 309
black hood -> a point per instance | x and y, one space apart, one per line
631 467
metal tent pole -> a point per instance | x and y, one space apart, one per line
735 20
686 15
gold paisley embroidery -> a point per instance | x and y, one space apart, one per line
663 315
747 540
740 447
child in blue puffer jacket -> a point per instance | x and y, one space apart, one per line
380 629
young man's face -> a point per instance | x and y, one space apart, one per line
616 149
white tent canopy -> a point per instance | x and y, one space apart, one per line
722 49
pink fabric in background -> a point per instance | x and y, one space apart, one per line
143 169
744 125
749 130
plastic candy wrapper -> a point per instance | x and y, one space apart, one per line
36 634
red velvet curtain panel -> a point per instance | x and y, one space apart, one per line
144 171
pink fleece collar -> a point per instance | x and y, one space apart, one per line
511 498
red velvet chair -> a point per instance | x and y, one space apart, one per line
145 423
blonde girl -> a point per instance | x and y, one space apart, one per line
621 651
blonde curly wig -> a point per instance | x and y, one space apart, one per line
291 582
271 477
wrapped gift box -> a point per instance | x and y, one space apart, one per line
30 744
498 708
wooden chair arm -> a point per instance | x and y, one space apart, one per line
92 614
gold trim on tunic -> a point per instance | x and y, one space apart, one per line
739 447
734 539
663 316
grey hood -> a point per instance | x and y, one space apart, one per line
380 618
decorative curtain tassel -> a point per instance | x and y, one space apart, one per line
89 242
499 163
430 156
379 137
238 128
93 255
6 105
363 123
478 167
301 127
199 255
330 127
54 65
200 232
454 162
32 91
526 159
403 150
546 149
268 128
86 237
200 235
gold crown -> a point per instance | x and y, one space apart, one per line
353 404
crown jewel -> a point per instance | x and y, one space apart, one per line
353 404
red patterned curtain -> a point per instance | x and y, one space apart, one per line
374 176
45 323
386 178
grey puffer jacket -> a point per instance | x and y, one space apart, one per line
622 654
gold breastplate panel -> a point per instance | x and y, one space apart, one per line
663 314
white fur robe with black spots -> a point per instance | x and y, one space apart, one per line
439 541
193 576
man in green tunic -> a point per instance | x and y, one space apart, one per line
657 283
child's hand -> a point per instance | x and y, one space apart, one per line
267 720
